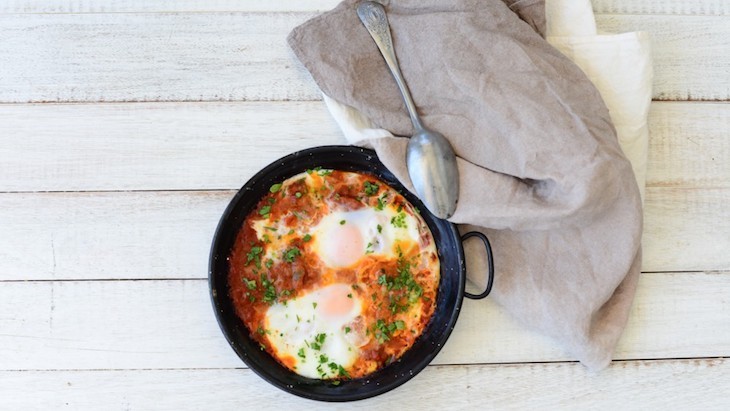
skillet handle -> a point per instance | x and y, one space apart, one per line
490 262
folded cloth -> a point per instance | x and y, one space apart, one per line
620 67
541 169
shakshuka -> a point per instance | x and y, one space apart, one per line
334 273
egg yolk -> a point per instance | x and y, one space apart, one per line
338 303
344 245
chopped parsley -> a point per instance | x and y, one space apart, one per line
342 222
399 221
319 171
347 330
403 282
255 256
265 211
384 331
270 294
381 331
380 228
275 188
306 237
291 254
371 188
381 202
301 354
269 263
251 284
318 341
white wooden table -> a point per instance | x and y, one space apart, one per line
127 125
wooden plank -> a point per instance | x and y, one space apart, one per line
108 235
679 7
148 146
168 234
696 7
54 325
162 6
150 57
634 385
689 145
679 72
152 146
685 228
243 56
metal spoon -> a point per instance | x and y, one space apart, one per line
429 156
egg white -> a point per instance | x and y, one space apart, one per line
381 236
301 330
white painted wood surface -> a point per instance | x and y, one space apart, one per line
704 7
666 384
128 146
92 57
107 209
161 324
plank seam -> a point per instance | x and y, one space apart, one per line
649 360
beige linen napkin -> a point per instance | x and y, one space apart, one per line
542 173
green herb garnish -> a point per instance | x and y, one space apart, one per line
291 254
371 188
265 210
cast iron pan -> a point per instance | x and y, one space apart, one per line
450 292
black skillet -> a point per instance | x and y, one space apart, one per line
450 292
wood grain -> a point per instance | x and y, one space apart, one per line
53 325
155 146
152 146
150 57
686 224
243 56
108 235
141 235
162 6
683 7
634 385
689 145
677 75
678 7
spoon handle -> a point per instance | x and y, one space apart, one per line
373 17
